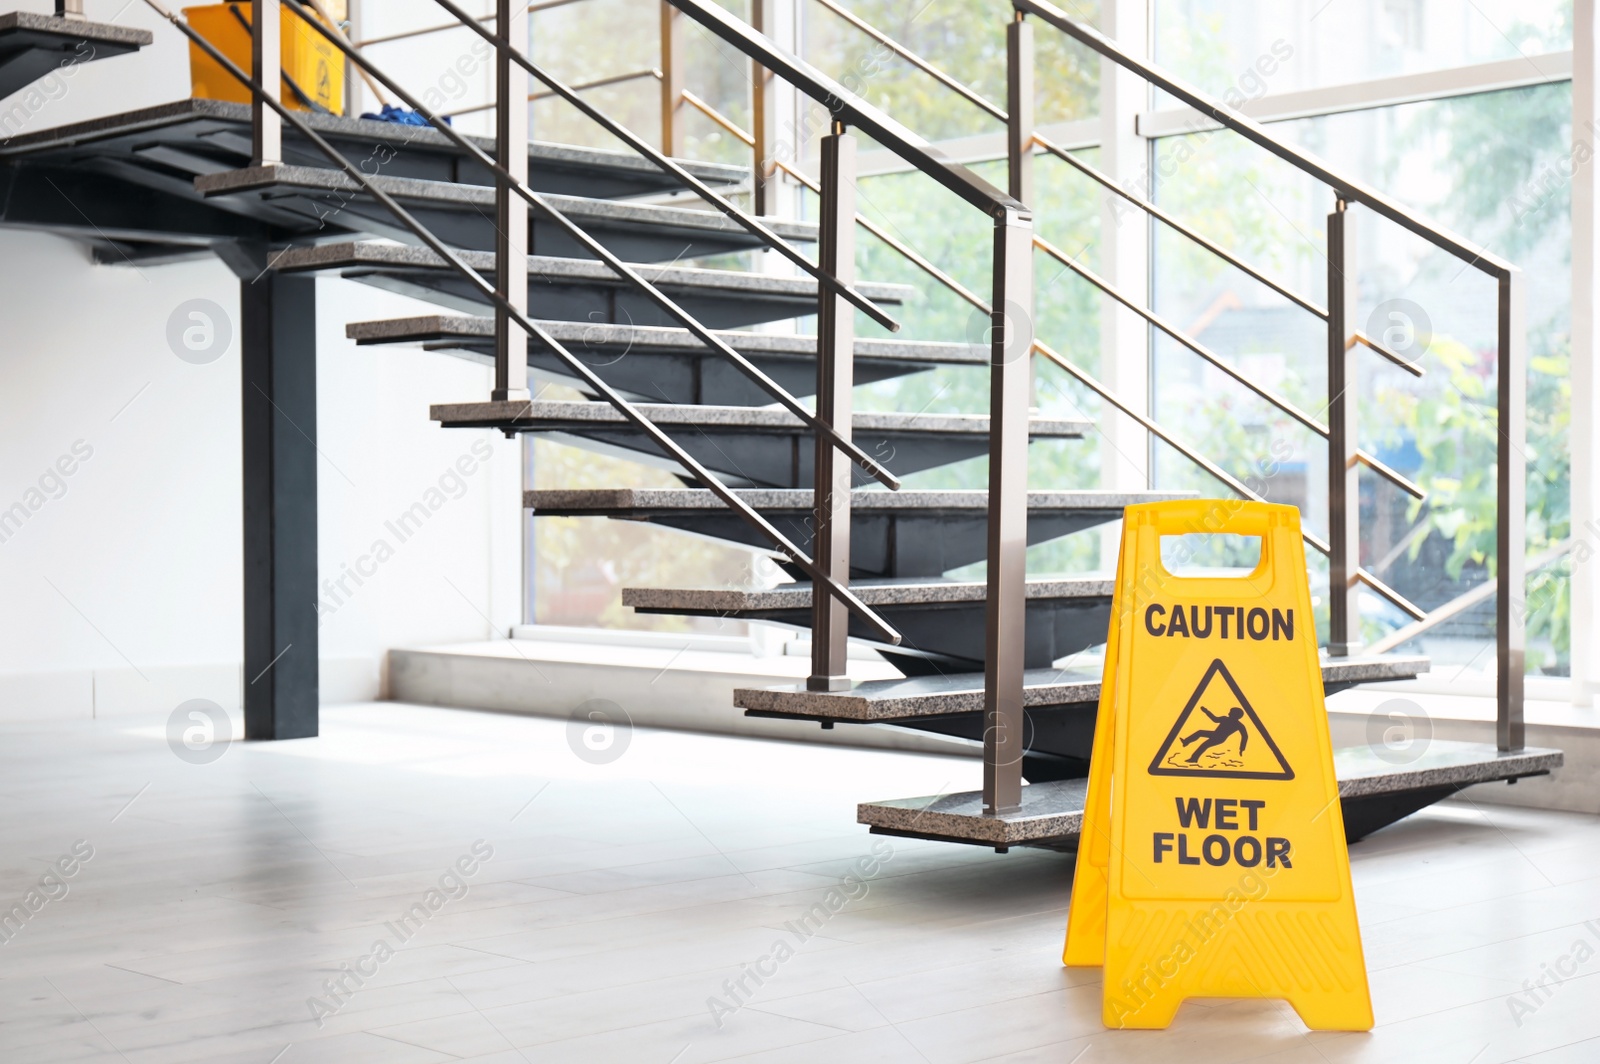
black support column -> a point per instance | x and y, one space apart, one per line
278 379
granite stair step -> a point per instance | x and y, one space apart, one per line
171 144
667 365
892 533
583 290
312 199
941 622
33 46
1058 705
747 446
1373 794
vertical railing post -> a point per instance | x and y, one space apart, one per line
1511 510
762 113
671 79
1344 485
1019 109
835 379
1010 345
353 74
511 210
266 128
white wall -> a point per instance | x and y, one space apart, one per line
124 592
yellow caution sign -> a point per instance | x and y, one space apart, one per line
1212 858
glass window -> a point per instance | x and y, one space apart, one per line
1454 161
1216 44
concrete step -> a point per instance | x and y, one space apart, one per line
666 365
892 533
308 200
748 446
940 621
33 46
1373 793
1059 706
578 289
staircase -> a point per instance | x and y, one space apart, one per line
585 287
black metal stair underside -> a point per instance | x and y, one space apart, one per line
578 289
33 46
748 446
941 622
1373 793
893 534
665 365
315 198
124 183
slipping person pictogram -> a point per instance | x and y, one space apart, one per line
1236 744
1226 728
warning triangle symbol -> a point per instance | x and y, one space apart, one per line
1218 734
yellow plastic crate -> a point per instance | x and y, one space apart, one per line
315 65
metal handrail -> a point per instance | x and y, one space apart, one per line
531 327
1510 503
604 254
751 225
970 95
1165 217
850 109
921 262
1179 335
1359 337
1345 187
1372 462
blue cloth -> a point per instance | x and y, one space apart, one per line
400 116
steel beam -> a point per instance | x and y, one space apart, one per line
278 384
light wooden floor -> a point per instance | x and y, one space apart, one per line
620 897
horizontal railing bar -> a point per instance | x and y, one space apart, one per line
899 246
1405 605
533 328
850 109
718 117
616 265
1387 472
1156 212
614 79
916 60
1462 603
1155 429
1180 336
1344 187
1372 345
490 17
751 225
905 250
